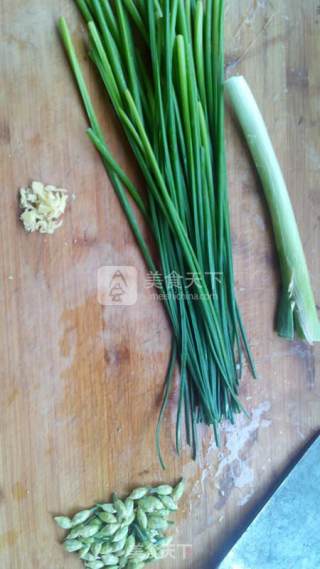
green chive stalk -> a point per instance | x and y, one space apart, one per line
161 64
297 313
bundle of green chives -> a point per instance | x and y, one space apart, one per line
162 65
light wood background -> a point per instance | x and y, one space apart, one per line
80 384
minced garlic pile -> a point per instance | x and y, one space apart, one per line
42 207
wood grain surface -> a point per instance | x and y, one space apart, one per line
80 383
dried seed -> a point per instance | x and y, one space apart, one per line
95 521
88 557
76 531
139 555
96 549
129 546
72 545
142 519
108 530
162 490
135 565
106 548
88 540
150 503
178 490
128 521
95 565
120 534
81 517
107 518
63 521
84 551
163 513
89 531
119 506
139 493
119 545
110 559
140 533
157 522
107 508
129 504
169 503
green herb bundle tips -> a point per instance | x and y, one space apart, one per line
123 533
161 63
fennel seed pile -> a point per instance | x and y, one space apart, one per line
161 63
124 533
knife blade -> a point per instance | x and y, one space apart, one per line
286 532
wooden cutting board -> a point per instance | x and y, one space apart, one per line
81 383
